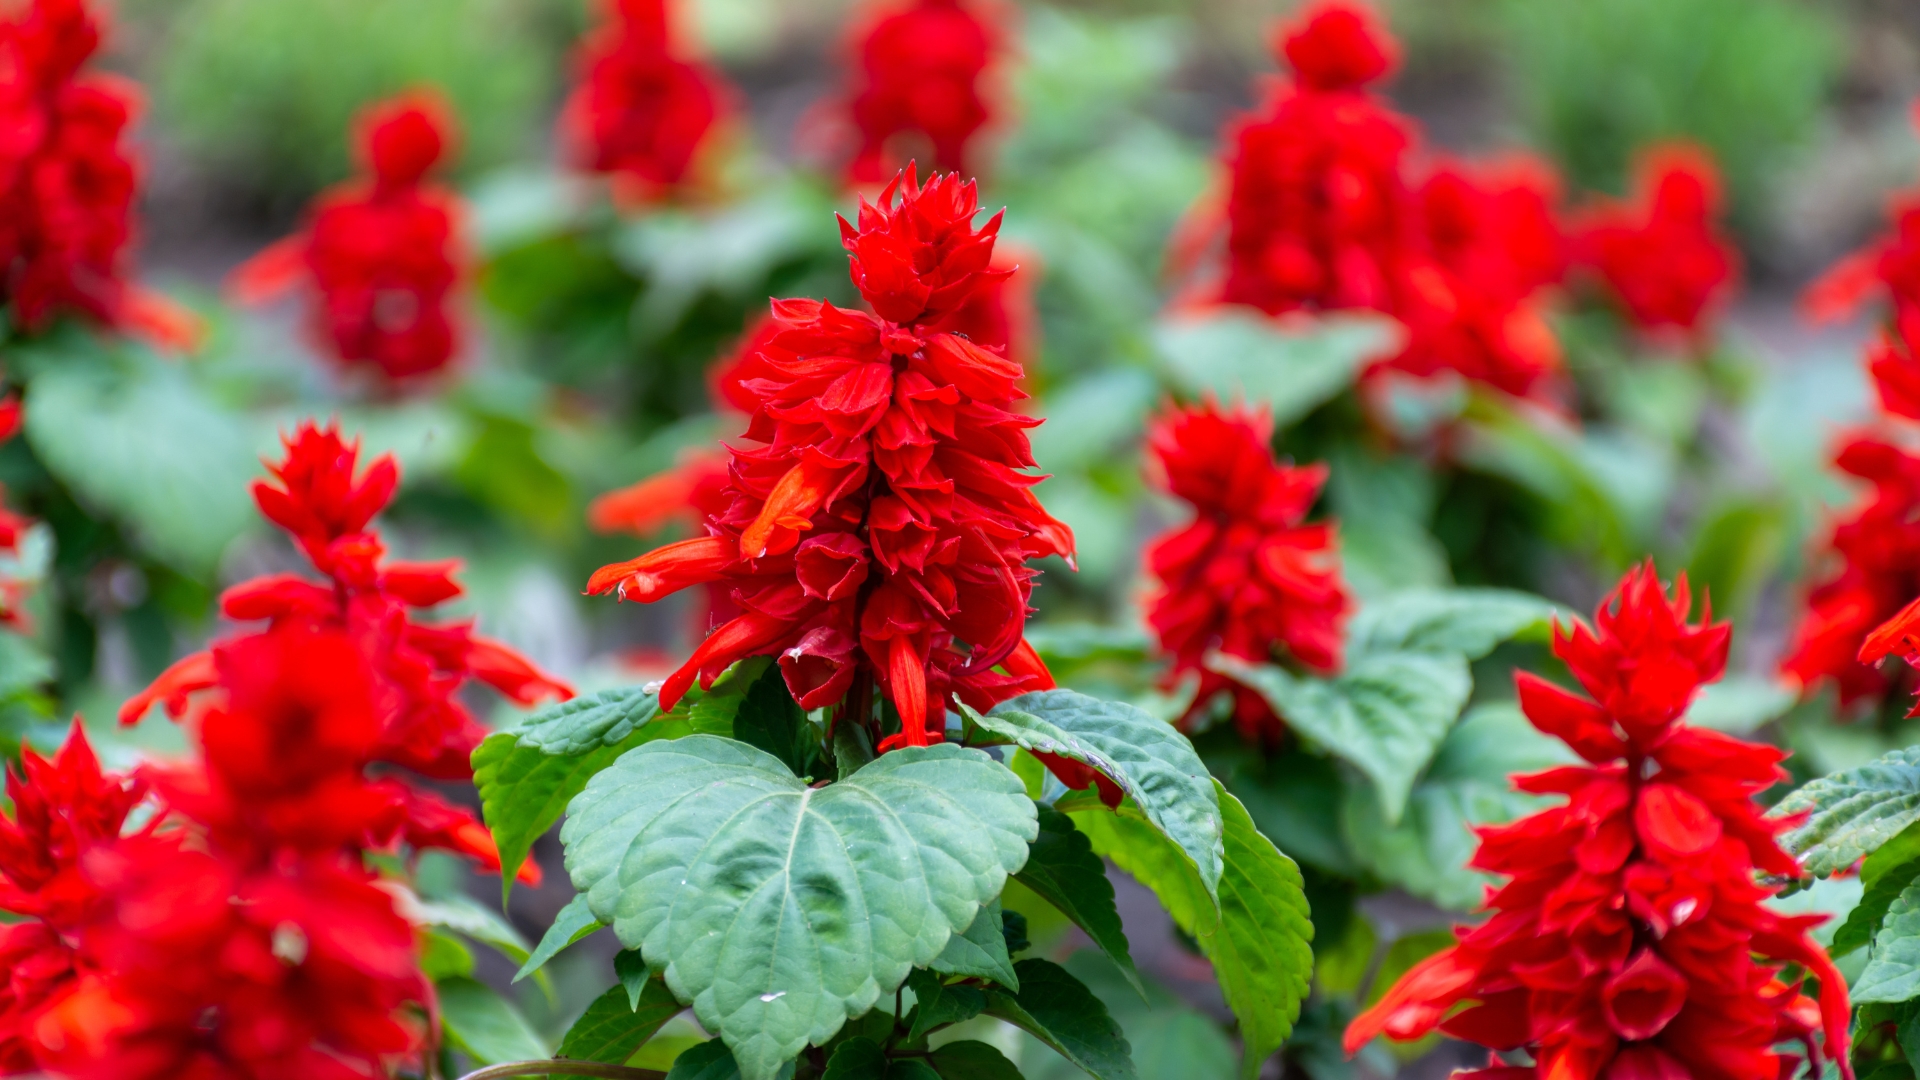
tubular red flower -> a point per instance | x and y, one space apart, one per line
1630 937
381 256
877 527
642 111
1245 577
920 73
1663 257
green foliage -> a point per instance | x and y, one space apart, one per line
484 1025
614 1027
1059 1010
1598 79
1062 868
1236 356
1151 762
780 910
770 720
1893 974
1883 877
969 1059
574 922
264 91
979 951
938 1003
1852 813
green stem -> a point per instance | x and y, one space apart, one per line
560 1067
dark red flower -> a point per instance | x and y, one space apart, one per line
919 84
413 671
382 256
1247 576
1871 559
878 532
642 111
1471 295
1662 257
1631 938
1317 210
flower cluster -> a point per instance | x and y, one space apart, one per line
1631 938
877 533
239 933
13 528
641 111
919 75
1662 257
67 178
381 256
1247 576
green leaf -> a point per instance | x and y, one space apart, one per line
1884 875
1468 622
1059 1010
527 777
462 913
634 975
1064 871
1386 714
23 665
938 1004
485 1025
135 440
1151 761
711 1060
1851 813
780 910
1738 704
612 1030
1258 941
443 956
969 1059
573 922
857 1059
771 720
1290 367
980 951
1894 972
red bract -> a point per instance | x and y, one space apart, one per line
1317 210
1631 939
1472 298
1247 577
641 111
381 256
413 672
1662 257
920 72
878 532
1873 552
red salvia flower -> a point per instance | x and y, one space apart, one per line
1317 210
641 111
382 256
920 73
1472 298
1889 268
1631 938
878 532
1662 257
414 671
1248 576
1874 550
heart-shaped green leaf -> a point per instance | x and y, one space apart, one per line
1851 813
1151 761
779 910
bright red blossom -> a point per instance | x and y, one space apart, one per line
1663 257
642 111
382 256
1247 576
879 526
1873 570
1631 939
920 71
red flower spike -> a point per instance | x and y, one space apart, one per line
876 529
1870 552
921 70
1247 576
381 257
1663 257
1338 46
642 112
1630 941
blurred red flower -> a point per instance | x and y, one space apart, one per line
642 112
1889 268
1247 576
1631 938
1662 257
878 534
919 77
381 256
13 530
